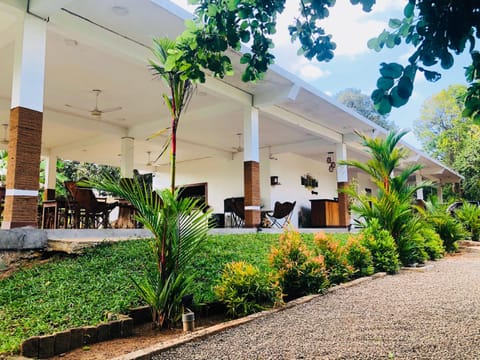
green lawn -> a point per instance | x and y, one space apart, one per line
75 291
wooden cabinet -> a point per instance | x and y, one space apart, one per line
325 213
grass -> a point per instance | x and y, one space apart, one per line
77 291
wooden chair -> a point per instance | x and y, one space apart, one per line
88 211
281 214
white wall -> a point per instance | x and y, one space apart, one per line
225 179
289 168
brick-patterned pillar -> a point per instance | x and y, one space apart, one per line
251 178
25 127
342 183
344 216
251 168
23 169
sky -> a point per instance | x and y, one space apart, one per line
354 65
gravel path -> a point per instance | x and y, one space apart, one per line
413 315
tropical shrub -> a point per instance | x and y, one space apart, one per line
392 206
469 216
359 257
411 244
298 272
178 226
449 229
432 242
335 257
382 246
244 290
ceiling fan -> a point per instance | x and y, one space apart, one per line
96 111
4 140
239 148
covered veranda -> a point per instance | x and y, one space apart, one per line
234 137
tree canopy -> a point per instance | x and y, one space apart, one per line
436 29
448 136
363 104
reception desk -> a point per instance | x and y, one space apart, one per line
325 213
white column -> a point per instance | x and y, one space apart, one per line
251 168
251 135
26 122
50 171
342 170
29 67
440 192
126 165
418 181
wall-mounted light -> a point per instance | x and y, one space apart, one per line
274 180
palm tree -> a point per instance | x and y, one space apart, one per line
394 203
181 90
178 227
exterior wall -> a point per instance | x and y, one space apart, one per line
225 179
364 182
289 168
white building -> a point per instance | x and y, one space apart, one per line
54 53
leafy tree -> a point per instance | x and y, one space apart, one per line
448 136
362 104
436 29
75 170
441 129
467 163
3 164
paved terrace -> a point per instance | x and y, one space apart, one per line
73 240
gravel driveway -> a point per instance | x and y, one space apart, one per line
433 314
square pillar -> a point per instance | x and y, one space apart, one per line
23 170
126 165
342 184
26 119
418 181
50 177
251 168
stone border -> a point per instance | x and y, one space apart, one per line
149 352
50 345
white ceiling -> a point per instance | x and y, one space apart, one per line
89 46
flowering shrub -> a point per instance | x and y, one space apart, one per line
336 259
299 272
244 290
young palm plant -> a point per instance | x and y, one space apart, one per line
178 227
393 205
469 217
181 91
